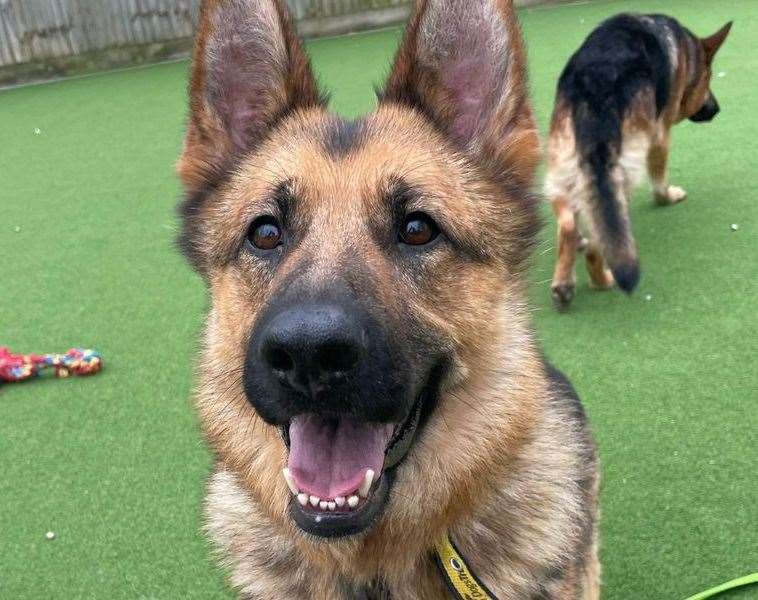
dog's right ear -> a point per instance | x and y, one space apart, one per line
248 71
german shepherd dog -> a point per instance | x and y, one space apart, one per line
634 77
369 380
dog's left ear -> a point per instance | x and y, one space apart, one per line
712 43
462 63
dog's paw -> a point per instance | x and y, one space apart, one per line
606 283
673 195
563 294
676 194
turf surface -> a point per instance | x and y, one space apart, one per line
114 465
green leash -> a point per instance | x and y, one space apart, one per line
732 585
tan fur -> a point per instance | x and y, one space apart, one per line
504 463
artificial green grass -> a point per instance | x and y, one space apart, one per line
115 465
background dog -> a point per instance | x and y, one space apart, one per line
634 77
368 335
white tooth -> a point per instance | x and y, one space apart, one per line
290 481
303 499
332 506
340 501
323 504
314 501
366 485
353 501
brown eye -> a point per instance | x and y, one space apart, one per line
265 234
418 230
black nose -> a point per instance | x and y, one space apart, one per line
707 112
312 348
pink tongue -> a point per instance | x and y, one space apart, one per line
329 457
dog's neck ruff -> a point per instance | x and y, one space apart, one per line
462 583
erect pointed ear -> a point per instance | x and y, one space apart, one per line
248 70
712 43
462 63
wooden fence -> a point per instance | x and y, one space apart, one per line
39 30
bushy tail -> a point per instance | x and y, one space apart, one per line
597 125
610 221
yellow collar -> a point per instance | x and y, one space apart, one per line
461 582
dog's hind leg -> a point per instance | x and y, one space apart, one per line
601 277
657 166
569 240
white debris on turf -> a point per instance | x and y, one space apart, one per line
735 227
722 73
37 131
17 229
50 535
649 297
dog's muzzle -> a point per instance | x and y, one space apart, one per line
348 402
707 112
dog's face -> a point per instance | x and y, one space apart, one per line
699 103
358 271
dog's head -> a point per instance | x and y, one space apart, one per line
361 273
699 104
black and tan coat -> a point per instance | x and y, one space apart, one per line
633 78
367 279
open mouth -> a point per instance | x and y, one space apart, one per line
340 469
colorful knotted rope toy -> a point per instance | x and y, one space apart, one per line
77 361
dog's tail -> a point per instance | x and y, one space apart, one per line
597 125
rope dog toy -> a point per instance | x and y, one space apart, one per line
20 367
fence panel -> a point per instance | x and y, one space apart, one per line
36 30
